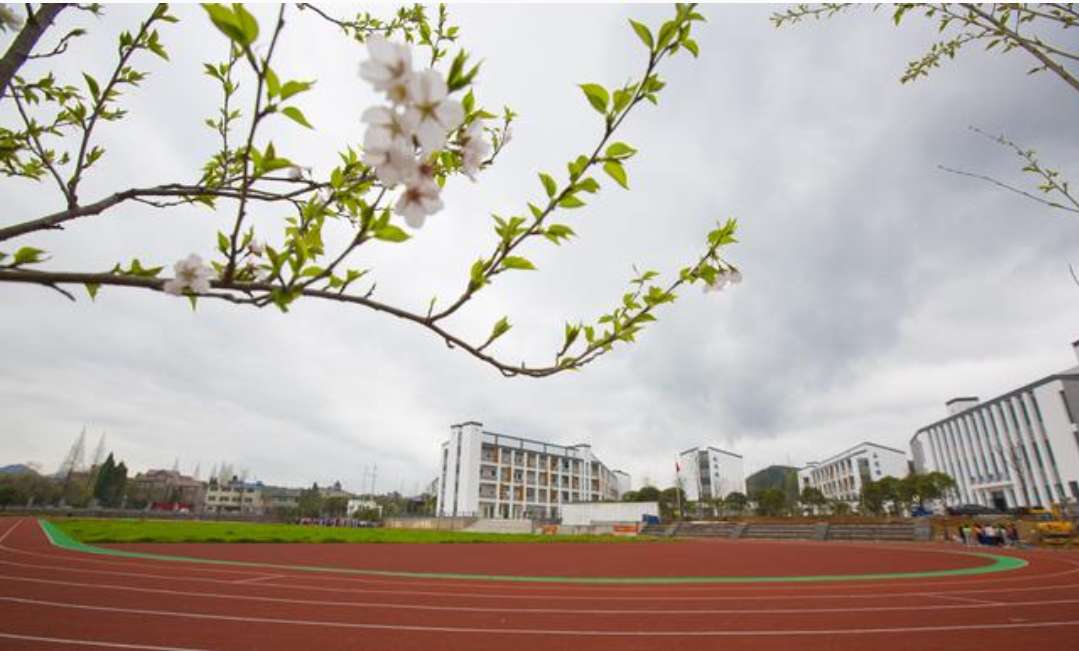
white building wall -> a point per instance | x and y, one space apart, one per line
490 475
839 477
721 474
1020 449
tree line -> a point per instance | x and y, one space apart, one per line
886 496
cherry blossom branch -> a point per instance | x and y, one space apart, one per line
23 45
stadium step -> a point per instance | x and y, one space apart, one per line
871 532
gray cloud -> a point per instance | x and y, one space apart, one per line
876 286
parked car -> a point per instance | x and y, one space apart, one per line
972 509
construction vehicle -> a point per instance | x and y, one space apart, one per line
1052 526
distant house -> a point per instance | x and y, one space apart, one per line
168 487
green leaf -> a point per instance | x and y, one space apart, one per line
615 170
555 232
548 184
500 328
226 22
27 255
588 184
391 233
222 242
91 289
515 262
691 45
571 201
475 275
273 84
247 22
620 150
642 32
293 87
597 96
95 90
297 116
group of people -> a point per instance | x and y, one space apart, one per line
989 534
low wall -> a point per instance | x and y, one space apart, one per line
443 524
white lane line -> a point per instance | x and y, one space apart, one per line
532 631
10 529
256 579
564 611
970 600
108 645
292 587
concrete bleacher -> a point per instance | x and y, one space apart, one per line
706 529
780 531
898 531
661 530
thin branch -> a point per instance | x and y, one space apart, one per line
1031 48
80 160
57 219
502 250
989 179
61 47
256 117
38 148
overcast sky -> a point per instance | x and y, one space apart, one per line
876 286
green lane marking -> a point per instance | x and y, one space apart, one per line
59 538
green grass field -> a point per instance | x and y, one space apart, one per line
93 531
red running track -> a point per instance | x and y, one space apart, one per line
52 598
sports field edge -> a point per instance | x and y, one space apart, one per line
59 538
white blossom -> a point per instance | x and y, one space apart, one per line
419 200
393 162
434 114
386 126
256 248
724 278
389 69
474 149
192 274
296 173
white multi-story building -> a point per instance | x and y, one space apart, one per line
710 473
1018 449
492 475
841 476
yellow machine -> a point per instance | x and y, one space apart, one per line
1052 526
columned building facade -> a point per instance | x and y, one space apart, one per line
1018 449
709 473
491 475
841 476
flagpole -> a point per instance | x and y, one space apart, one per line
678 486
